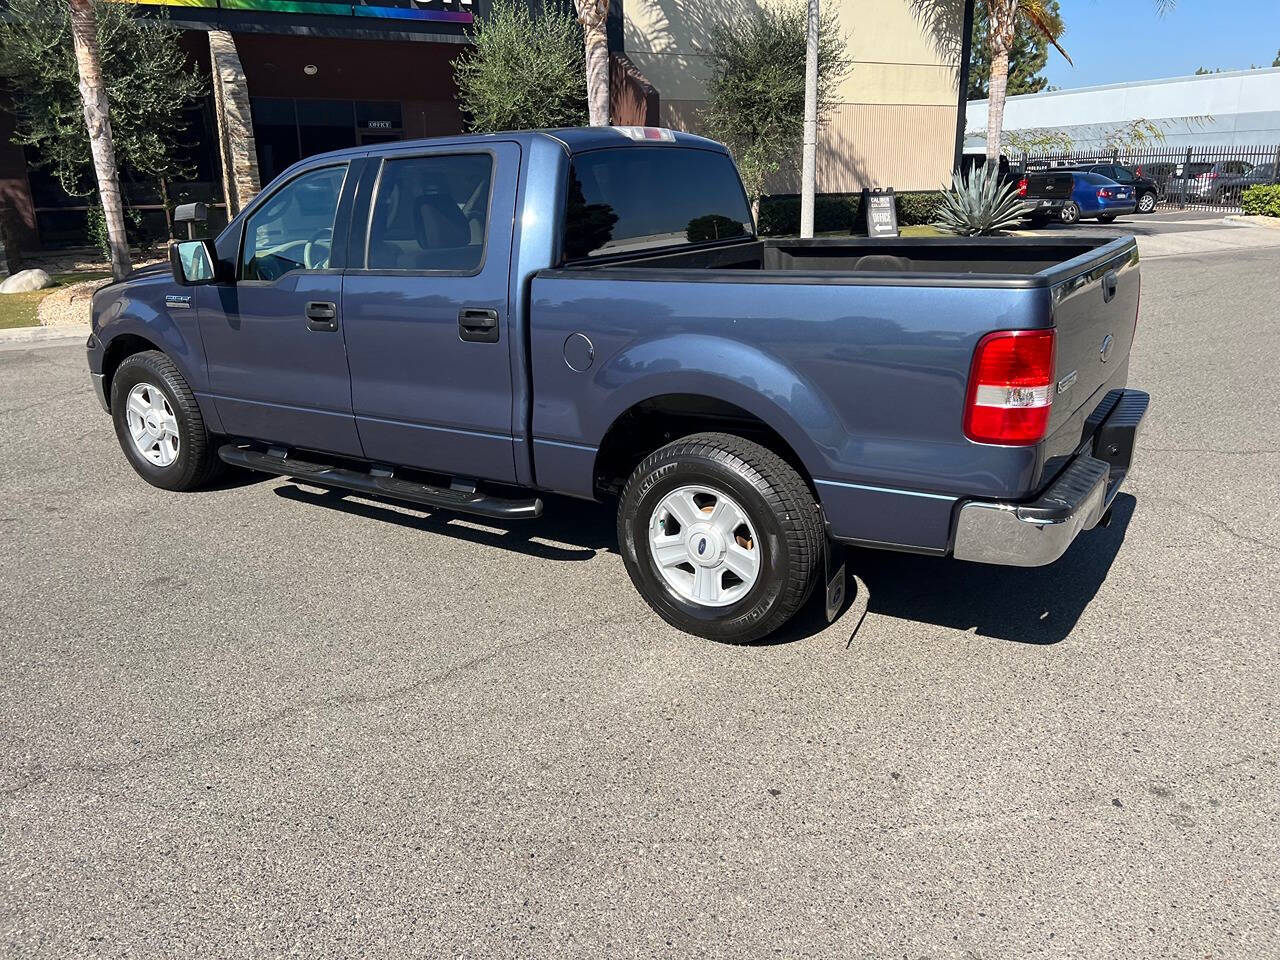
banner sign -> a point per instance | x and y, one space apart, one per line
450 11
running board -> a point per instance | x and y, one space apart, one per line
466 500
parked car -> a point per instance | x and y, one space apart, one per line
1073 195
1230 187
470 323
1214 181
1146 191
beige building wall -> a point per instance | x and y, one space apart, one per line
895 125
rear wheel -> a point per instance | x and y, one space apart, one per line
721 536
1070 212
159 425
1147 203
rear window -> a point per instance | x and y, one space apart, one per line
637 198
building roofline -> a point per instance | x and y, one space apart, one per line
1225 75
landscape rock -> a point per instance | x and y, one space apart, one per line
24 281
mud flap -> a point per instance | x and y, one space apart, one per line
834 576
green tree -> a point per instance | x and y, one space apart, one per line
1003 19
755 96
146 76
1028 55
523 71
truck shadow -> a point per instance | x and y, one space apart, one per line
1033 605
568 529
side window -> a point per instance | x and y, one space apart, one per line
293 230
431 213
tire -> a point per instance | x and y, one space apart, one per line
1070 212
1147 203
1039 220
782 528
1106 218
185 457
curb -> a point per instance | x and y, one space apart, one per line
38 334
1242 220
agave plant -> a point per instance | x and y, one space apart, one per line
980 205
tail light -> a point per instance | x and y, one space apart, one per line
1207 176
1022 187
1010 388
1106 193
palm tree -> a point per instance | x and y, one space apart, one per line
592 14
93 92
1002 19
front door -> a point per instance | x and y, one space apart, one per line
274 339
424 304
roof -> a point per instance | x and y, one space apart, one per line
572 139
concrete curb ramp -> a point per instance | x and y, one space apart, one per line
1228 238
37 334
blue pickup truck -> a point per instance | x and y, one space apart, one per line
468 323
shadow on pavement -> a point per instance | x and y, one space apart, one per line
1036 605
1033 605
567 530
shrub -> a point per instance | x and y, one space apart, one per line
1262 200
780 215
523 71
755 94
133 226
980 205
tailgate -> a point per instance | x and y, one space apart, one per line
1055 185
1094 313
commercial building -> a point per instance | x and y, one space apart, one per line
290 78
896 119
1236 109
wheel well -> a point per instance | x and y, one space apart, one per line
125 345
655 422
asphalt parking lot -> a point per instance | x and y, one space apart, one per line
262 720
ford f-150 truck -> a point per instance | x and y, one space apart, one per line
468 323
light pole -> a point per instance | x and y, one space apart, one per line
809 155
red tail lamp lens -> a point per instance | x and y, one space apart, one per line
1010 388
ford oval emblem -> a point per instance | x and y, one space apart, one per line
1107 343
702 546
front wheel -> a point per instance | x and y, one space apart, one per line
721 536
159 424
1147 203
1070 212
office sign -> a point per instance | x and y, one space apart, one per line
882 215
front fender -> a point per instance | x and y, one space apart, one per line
140 310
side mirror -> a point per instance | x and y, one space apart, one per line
193 262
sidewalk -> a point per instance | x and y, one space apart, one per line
38 334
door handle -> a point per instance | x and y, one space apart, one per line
1109 283
478 326
322 316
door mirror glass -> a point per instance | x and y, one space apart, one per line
192 262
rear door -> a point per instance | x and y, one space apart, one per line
425 303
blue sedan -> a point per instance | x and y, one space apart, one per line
1096 196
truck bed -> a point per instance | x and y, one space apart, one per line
982 261
859 348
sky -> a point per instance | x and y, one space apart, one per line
1116 41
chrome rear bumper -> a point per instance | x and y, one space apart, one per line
1038 533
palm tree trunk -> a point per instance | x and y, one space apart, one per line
997 85
93 92
592 15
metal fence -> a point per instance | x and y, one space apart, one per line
1188 178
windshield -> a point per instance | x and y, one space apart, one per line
637 198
